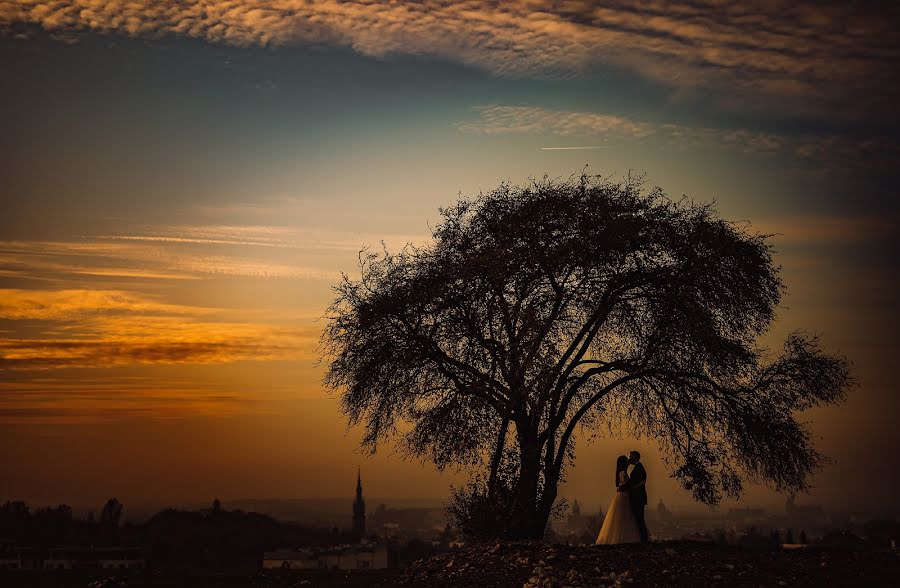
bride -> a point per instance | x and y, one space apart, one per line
619 525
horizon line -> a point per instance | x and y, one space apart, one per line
576 148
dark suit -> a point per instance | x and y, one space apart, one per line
637 496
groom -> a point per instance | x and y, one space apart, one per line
637 492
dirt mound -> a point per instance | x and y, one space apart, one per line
540 565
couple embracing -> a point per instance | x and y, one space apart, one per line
624 521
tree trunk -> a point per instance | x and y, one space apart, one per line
548 498
495 461
528 522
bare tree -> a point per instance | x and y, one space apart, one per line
585 304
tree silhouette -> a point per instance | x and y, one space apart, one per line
111 513
584 304
110 517
775 537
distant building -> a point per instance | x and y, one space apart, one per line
359 510
663 512
364 556
424 523
812 518
72 558
747 516
698 538
9 560
580 527
792 509
23 558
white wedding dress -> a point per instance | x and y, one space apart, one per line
619 525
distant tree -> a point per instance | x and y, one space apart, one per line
64 513
580 305
191 540
754 538
15 517
720 537
111 514
775 537
842 538
14 509
110 517
803 538
216 506
789 536
880 532
594 522
380 514
49 525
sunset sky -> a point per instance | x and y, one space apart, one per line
182 183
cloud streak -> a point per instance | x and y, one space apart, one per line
278 237
829 53
151 258
576 148
191 252
820 229
840 151
202 347
87 400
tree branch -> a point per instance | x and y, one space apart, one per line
564 440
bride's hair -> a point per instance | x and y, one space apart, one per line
621 464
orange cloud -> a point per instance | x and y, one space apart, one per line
20 304
29 354
97 328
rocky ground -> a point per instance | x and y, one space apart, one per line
152 579
538 565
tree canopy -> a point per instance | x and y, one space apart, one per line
588 304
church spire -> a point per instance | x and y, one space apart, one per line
359 508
